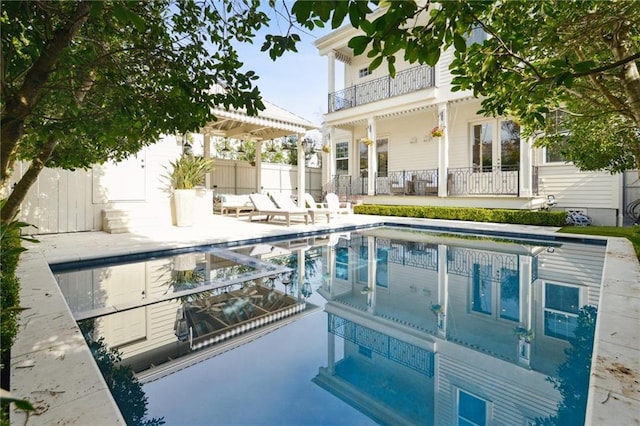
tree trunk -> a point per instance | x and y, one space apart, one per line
20 104
10 208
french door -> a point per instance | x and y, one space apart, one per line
495 148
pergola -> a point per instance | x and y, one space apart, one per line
273 122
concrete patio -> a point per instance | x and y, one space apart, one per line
52 367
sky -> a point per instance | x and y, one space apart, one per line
296 82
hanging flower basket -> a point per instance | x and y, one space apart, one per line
525 334
437 309
366 141
437 132
326 149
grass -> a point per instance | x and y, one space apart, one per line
630 233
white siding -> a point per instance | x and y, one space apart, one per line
514 394
573 188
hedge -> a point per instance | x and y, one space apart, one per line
522 217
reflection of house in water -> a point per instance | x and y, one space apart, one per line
427 325
160 309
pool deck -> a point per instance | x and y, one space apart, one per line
52 367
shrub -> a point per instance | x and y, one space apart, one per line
522 217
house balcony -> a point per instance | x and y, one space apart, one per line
407 81
461 182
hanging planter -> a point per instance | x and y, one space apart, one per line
437 309
366 141
326 149
437 132
524 334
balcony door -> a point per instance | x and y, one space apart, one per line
495 156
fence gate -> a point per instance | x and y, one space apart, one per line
631 196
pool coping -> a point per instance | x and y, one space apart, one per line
52 367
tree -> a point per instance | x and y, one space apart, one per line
86 82
577 56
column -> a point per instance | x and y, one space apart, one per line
373 157
443 290
331 158
258 167
332 73
301 167
526 167
208 178
372 266
301 273
443 150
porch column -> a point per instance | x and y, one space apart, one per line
526 168
208 178
443 291
330 167
443 149
301 165
332 73
258 167
372 266
373 157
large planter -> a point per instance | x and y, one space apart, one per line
185 200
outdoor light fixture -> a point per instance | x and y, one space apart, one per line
306 289
241 148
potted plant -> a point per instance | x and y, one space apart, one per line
326 149
366 141
185 174
437 132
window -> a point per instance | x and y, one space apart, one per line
472 411
342 263
477 35
482 146
382 149
382 266
509 294
382 154
482 289
561 307
502 155
509 145
363 72
342 158
556 126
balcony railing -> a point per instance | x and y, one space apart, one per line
407 81
461 181
499 180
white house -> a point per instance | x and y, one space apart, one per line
478 161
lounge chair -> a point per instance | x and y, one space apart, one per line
316 208
336 206
285 202
264 206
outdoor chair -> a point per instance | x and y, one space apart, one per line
316 208
336 206
264 206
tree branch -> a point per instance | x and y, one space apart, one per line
19 105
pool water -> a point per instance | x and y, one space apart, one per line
380 326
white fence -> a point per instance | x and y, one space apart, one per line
65 201
240 177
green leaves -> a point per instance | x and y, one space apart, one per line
538 56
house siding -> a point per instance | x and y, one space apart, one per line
508 390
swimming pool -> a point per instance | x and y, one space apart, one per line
400 326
